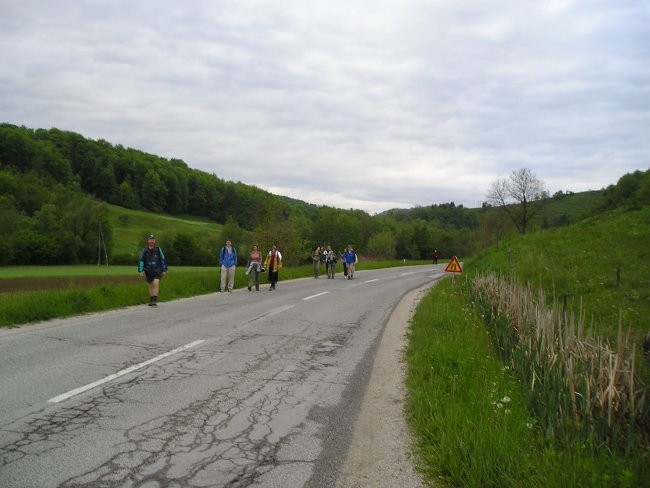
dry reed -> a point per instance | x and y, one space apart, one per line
577 383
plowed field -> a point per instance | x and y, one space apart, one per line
22 284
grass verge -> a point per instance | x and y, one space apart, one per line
471 416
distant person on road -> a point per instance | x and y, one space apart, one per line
315 257
273 263
228 262
330 262
254 268
350 259
153 267
435 256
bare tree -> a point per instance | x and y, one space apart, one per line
521 197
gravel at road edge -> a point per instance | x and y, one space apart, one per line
380 453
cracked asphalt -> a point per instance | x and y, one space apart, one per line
224 390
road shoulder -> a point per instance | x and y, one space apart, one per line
380 452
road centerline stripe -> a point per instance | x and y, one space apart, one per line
122 372
316 295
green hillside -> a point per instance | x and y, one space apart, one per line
564 208
131 227
601 264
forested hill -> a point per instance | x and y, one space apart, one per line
132 178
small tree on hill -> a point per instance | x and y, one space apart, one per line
521 197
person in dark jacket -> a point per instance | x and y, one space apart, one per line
153 267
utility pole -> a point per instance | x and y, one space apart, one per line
99 247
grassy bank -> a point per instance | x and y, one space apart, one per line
530 371
471 415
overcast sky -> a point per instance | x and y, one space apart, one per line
355 104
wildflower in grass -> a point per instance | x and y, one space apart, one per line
506 399
507 411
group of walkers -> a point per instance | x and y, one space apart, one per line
153 266
321 255
254 266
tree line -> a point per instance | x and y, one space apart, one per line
53 185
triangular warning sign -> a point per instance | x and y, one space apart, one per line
454 266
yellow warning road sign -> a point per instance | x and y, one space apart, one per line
454 266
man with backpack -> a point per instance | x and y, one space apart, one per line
153 267
228 262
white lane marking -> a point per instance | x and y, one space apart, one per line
316 295
370 281
128 370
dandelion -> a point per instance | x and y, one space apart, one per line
506 399
499 405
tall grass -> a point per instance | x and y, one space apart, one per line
471 423
576 384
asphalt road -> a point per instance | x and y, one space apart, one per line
223 390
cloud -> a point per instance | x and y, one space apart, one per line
357 104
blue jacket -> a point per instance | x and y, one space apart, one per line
349 257
228 260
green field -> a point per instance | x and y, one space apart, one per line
131 228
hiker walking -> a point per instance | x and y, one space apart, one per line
350 259
254 268
153 267
273 263
228 262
